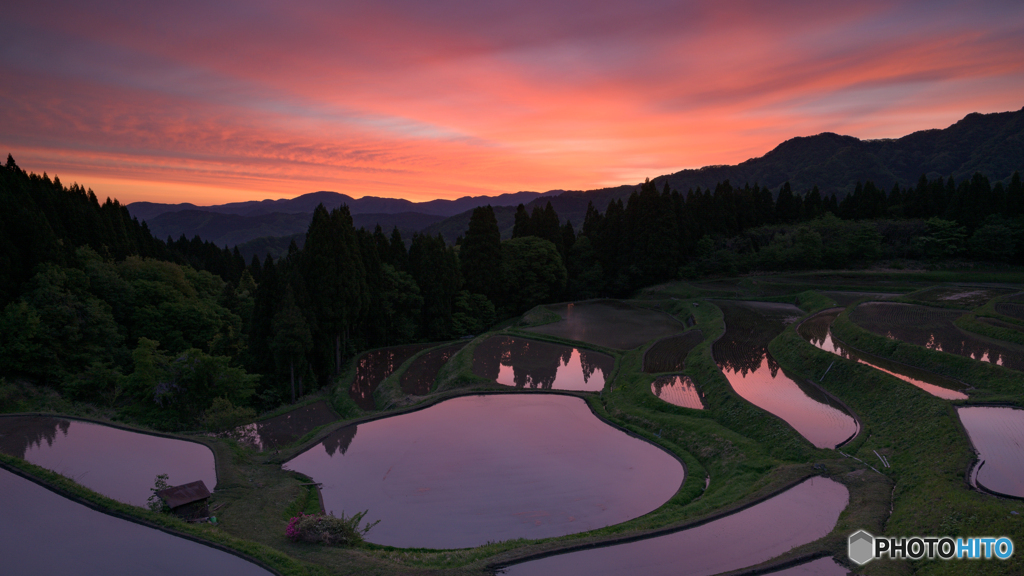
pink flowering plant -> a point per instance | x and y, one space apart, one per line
328 529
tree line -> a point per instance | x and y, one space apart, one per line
182 333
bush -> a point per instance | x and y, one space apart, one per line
327 529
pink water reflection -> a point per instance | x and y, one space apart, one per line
678 390
771 390
827 344
116 463
45 534
488 468
998 435
757 534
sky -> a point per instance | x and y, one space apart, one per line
221 101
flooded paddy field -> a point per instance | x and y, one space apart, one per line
1011 309
756 534
844 299
49 534
678 390
419 377
742 354
486 468
669 354
609 323
531 364
997 433
284 429
117 463
374 366
967 297
1000 324
816 331
933 328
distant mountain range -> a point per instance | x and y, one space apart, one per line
992 144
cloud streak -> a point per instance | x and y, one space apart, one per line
235 100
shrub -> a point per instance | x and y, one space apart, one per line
327 529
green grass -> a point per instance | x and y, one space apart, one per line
922 438
991 382
747 452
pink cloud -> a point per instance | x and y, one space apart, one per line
424 100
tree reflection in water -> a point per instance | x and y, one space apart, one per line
19 433
540 365
374 366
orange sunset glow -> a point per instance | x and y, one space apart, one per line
228 101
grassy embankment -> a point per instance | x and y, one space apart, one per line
923 440
991 383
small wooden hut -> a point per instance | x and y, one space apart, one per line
188 501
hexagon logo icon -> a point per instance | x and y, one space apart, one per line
861 547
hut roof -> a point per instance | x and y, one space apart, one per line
185 494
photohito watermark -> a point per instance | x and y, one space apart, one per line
864 547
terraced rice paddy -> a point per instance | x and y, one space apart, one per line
1000 324
418 379
967 297
997 433
609 323
487 468
1011 309
816 331
374 366
48 534
117 463
742 354
284 429
844 299
797 516
669 354
933 328
527 363
678 390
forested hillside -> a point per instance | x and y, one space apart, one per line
184 334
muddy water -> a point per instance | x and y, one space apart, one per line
933 328
757 534
742 354
816 331
419 377
48 534
286 428
678 390
116 463
374 366
531 364
609 323
487 468
998 435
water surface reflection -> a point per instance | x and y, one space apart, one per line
998 435
286 428
757 534
933 328
486 468
678 390
531 364
609 323
48 534
116 463
742 354
816 331
374 366
419 378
